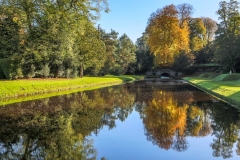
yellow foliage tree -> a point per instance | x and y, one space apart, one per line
167 35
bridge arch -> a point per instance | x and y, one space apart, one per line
165 74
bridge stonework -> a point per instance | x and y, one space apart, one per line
159 72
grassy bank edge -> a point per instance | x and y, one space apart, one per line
207 85
50 88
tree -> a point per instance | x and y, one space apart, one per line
183 63
184 13
50 30
227 35
110 40
125 54
211 27
90 51
11 33
166 36
204 55
197 34
144 57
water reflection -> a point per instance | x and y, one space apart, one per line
59 127
225 127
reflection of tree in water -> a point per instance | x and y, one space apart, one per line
57 127
41 137
225 129
171 114
238 147
165 121
164 113
198 122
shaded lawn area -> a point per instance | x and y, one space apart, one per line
28 89
228 91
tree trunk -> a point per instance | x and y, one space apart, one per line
81 71
56 73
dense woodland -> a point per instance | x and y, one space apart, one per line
62 39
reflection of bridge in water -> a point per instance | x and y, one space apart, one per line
170 83
183 92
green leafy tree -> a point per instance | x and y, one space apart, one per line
110 40
145 59
90 51
204 55
197 34
10 33
227 36
49 31
183 63
125 54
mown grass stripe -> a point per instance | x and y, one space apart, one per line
23 90
227 91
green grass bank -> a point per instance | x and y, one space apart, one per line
24 90
225 86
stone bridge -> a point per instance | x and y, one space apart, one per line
163 72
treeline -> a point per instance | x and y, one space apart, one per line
59 39
181 42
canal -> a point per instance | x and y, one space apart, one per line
136 121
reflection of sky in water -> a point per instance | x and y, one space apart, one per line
128 142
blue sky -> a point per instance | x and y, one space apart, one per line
131 16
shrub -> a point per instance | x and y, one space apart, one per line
15 68
2 76
29 72
44 72
118 70
4 65
71 73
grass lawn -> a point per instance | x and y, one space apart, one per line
225 86
23 90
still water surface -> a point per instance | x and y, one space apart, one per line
137 121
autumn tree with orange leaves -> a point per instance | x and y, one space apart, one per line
168 33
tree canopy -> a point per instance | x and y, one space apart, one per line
167 34
227 40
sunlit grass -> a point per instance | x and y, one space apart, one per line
225 87
23 90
